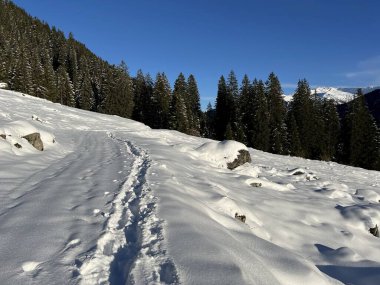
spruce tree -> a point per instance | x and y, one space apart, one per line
193 106
139 87
331 130
277 113
161 102
261 133
178 112
294 143
65 88
364 135
246 110
301 108
208 123
224 108
85 97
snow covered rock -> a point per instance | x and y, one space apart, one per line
18 145
375 231
35 140
3 136
21 132
226 154
242 158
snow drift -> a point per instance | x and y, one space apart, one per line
114 202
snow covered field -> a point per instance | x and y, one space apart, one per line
110 201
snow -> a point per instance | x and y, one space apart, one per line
334 94
338 95
113 202
220 153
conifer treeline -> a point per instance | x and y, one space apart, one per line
40 61
309 127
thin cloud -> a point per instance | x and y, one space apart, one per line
368 71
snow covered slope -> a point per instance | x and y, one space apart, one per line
339 95
111 201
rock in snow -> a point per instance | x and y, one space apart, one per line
227 154
35 140
241 158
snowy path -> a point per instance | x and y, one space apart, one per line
114 202
130 248
64 194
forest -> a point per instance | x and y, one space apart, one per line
41 61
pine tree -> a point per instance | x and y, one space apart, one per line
301 108
246 110
161 102
260 132
208 122
140 90
65 88
224 108
277 113
294 143
178 112
124 91
229 135
193 106
85 92
364 135
318 146
233 92
331 130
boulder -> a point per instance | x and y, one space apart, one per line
375 231
225 154
241 218
18 145
3 136
242 158
35 140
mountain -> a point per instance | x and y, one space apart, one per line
339 95
111 201
373 102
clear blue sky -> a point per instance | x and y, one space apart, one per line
328 42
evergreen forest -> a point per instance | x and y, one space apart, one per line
41 61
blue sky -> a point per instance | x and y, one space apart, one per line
328 42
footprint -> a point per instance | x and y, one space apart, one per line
30 266
73 243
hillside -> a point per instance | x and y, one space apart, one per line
373 102
111 201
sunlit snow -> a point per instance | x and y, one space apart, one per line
110 201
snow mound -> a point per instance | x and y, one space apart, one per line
30 266
368 195
220 153
16 130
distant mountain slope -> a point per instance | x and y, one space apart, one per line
339 95
373 102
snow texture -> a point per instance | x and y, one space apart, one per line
110 201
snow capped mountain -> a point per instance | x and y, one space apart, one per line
334 94
111 201
338 95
